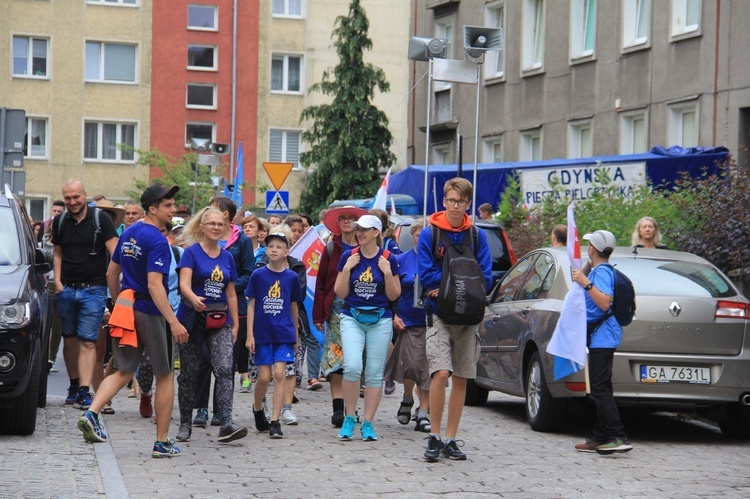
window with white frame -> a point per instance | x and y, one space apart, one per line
633 132
686 16
30 55
109 142
441 154
110 62
444 29
203 17
492 150
113 2
636 17
530 146
201 96
533 34
494 62
199 131
201 57
286 8
286 73
284 146
683 124
580 143
582 28
35 140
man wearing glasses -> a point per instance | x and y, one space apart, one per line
452 349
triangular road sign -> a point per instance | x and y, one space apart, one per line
278 172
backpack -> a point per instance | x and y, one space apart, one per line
462 286
623 302
97 223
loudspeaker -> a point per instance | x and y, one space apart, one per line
479 39
220 148
424 49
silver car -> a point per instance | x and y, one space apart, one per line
689 342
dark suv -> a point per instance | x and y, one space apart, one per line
25 317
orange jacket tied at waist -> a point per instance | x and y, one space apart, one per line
122 320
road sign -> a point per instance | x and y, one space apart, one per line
278 172
277 202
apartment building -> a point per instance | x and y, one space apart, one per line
81 71
581 78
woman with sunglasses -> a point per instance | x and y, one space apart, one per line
209 313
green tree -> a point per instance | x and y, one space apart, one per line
349 138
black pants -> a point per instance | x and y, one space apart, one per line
608 422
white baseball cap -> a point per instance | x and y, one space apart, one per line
601 240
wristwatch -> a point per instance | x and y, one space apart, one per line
588 286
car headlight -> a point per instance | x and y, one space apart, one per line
15 315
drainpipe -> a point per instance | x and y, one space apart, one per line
716 70
234 93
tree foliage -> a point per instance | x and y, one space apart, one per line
349 138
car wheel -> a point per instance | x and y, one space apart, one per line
20 419
543 412
736 424
475 394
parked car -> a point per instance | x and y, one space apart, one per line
687 347
25 319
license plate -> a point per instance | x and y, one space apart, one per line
675 374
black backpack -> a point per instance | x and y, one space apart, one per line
623 302
463 289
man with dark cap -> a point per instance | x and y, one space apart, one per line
184 212
142 256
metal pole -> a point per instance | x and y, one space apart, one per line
2 138
427 144
234 92
476 147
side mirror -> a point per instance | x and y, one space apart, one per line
42 263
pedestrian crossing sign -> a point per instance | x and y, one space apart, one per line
277 202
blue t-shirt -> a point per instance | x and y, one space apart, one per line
140 250
609 333
391 245
407 270
367 283
273 292
211 276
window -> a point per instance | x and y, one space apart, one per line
635 22
494 63
492 150
683 124
110 142
287 8
580 143
201 96
201 57
30 56
582 28
203 17
286 73
110 62
686 16
441 154
113 2
533 34
284 146
633 132
531 145
198 131
444 29
35 141
443 112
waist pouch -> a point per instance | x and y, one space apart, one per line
367 315
215 316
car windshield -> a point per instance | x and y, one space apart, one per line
675 278
10 250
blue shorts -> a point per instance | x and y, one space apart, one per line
81 311
269 354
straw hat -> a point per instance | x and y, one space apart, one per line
116 214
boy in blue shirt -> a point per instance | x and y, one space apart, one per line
272 336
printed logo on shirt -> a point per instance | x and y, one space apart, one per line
273 304
214 285
364 287
131 249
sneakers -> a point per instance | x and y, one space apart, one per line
347 428
177 364
614 445
274 430
261 422
91 427
288 417
84 399
201 419
72 394
230 432
165 449
368 432
145 408
52 368
390 387
216 420
314 385
184 433
434 446
337 419
246 386
266 410
451 451
588 446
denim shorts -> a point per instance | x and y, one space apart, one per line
81 312
270 353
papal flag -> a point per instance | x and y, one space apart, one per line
309 249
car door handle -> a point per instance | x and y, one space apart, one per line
526 311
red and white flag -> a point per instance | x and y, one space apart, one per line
381 198
309 249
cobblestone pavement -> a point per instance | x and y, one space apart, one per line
674 456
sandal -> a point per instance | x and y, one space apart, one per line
404 412
107 409
423 425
